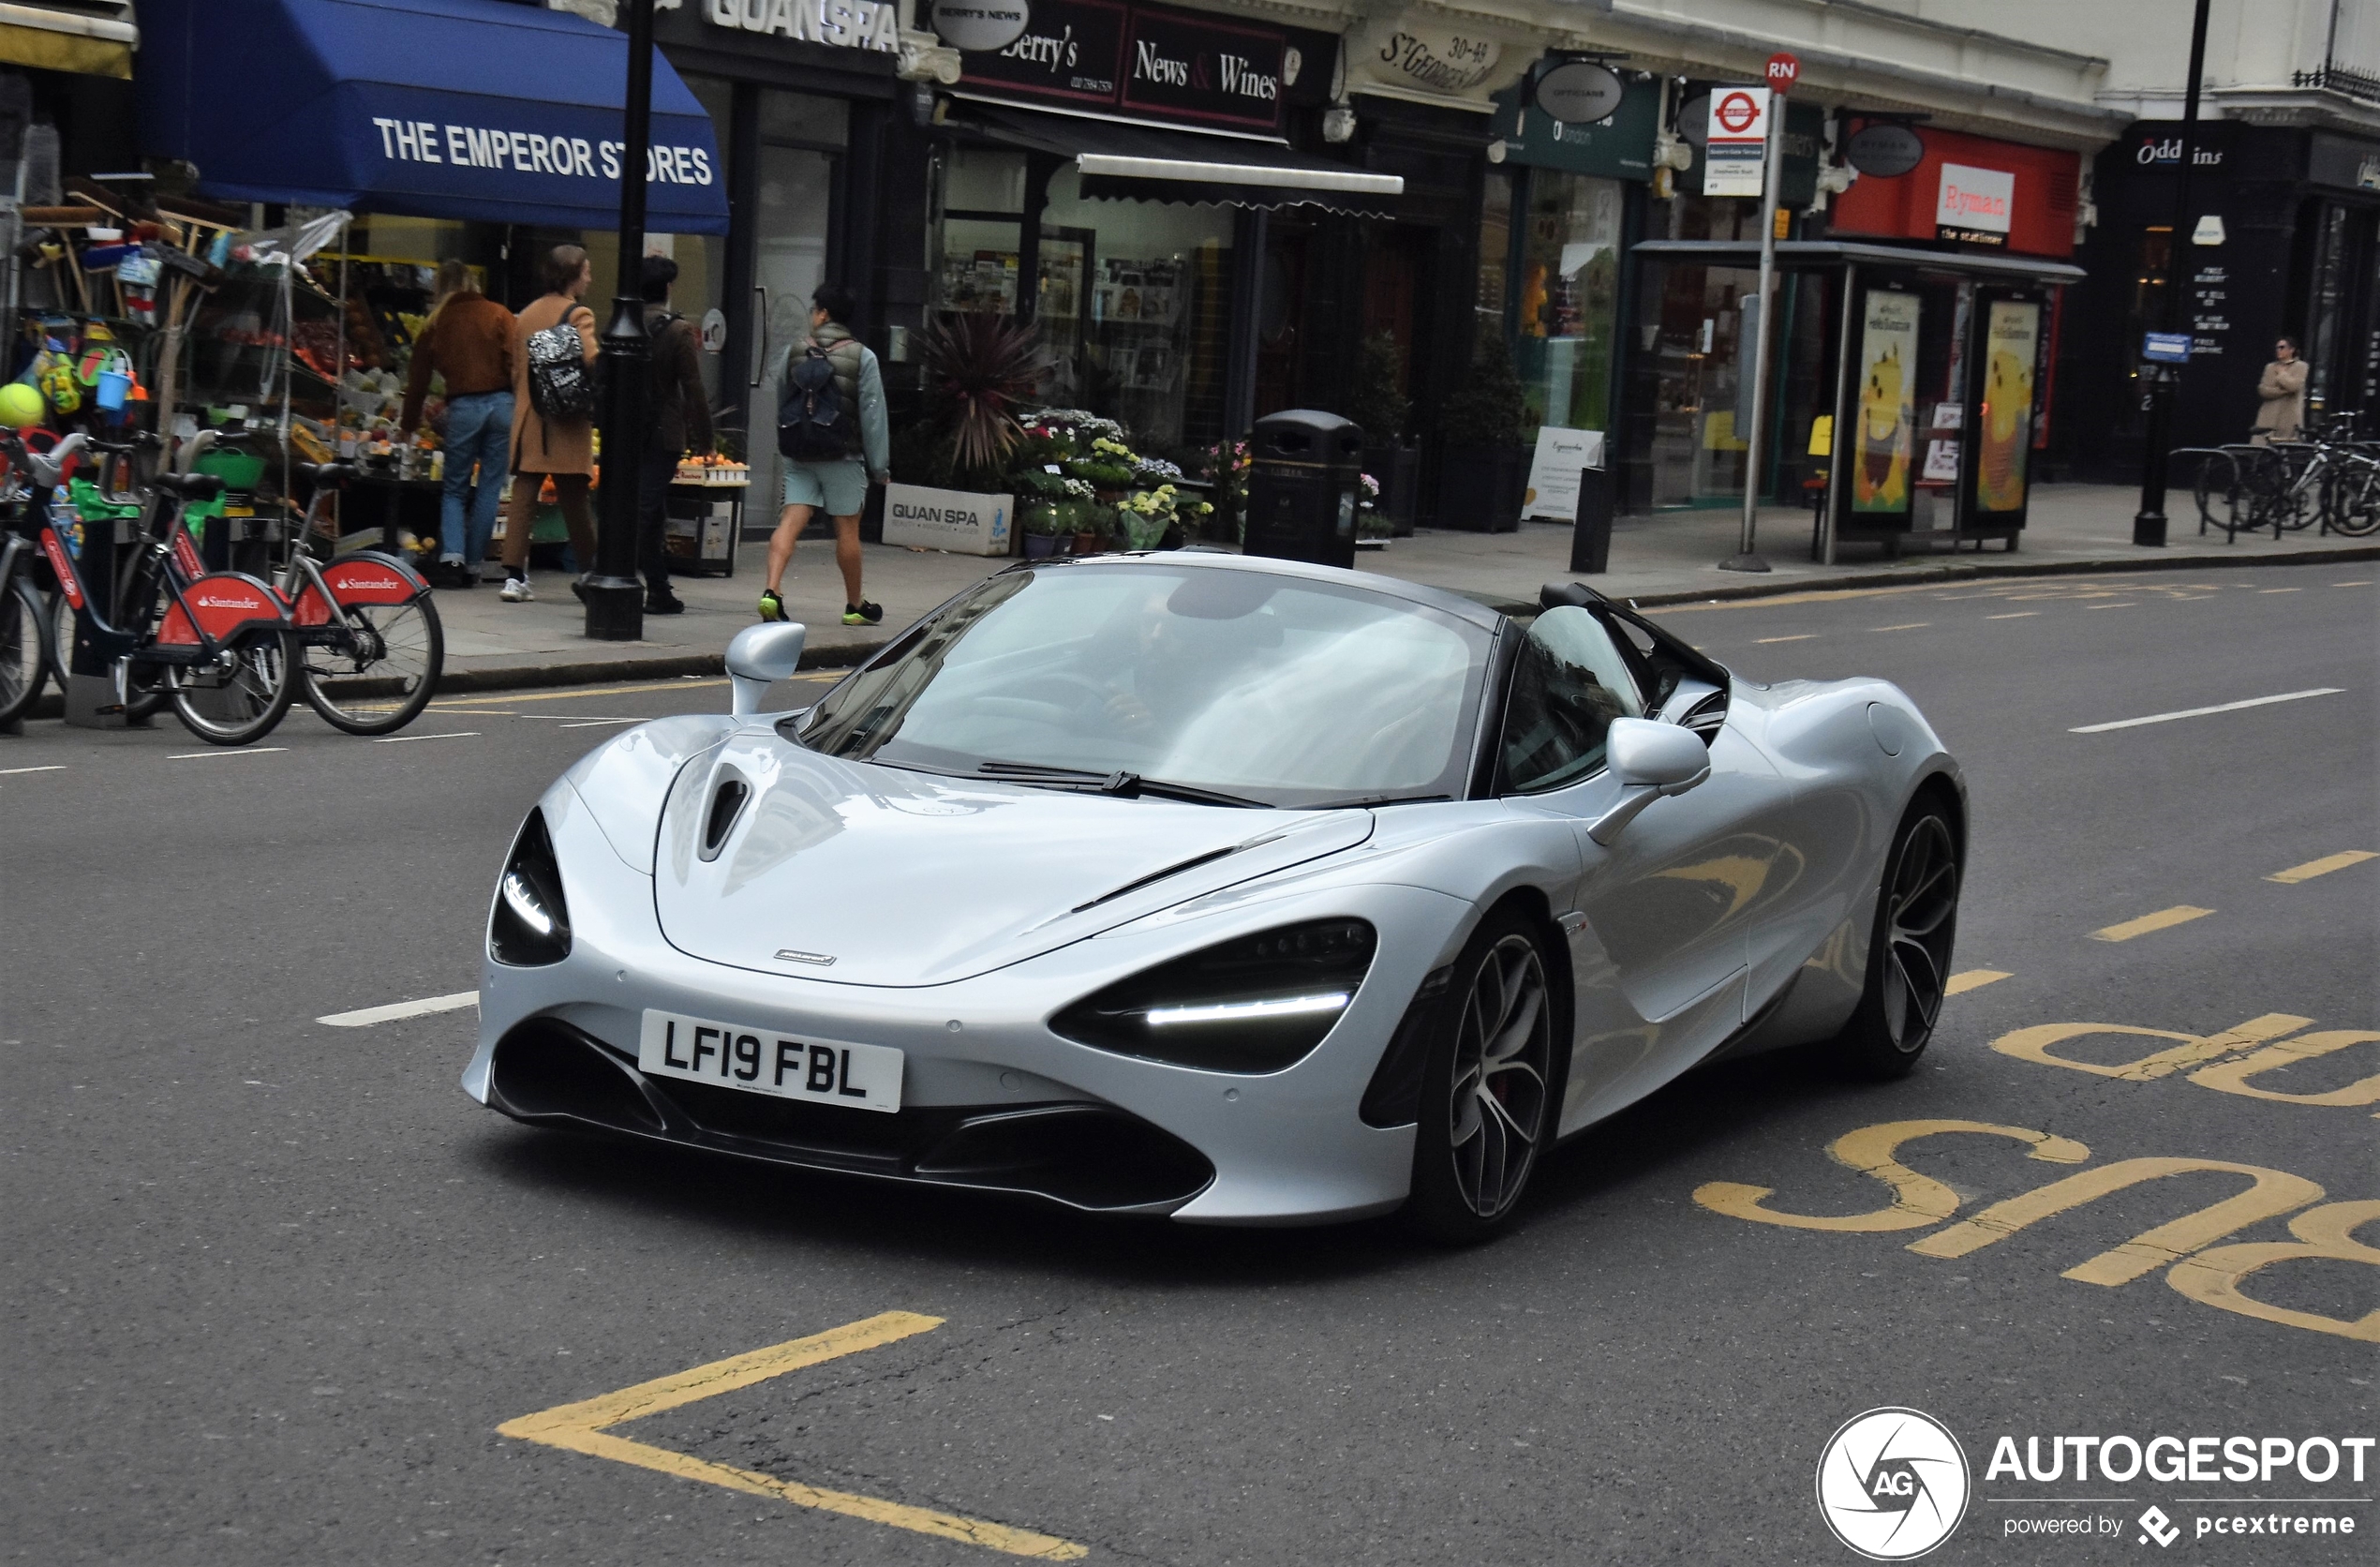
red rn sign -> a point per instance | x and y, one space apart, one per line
1783 71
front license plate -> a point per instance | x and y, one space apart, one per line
731 1055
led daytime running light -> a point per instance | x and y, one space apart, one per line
1244 1011
522 899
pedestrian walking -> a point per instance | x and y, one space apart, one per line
832 432
467 343
552 418
2283 389
679 423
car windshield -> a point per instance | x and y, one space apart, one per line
1274 689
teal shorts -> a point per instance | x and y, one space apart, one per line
840 487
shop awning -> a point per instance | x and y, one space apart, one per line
1125 161
76 41
458 109
1814 255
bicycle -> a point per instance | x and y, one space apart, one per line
27 633
217 645
373 644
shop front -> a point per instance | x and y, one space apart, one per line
394 137
825 170
1108 174
2282 237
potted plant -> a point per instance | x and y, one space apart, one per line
1043 523
1372 529
978 371
1377 402
1096 521
1483 465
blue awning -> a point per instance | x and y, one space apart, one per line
461 108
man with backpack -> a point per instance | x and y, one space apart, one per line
832 434
553 416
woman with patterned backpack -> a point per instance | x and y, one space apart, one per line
553 416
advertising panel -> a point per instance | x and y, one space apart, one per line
1886 429
2005 432
1149 63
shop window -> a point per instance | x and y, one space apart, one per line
1495 245
797 117
1134 299
983 205
1570 270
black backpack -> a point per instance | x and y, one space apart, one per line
815 422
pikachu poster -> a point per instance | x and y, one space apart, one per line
1886 433
2004 434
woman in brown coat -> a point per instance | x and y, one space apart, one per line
546 448
2282 390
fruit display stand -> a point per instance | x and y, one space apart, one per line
706 516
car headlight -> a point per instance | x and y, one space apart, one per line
1255 1003
529 924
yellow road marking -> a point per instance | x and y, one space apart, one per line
1973 980
2181 913
2324 866
580 1427
1914 625
1805 636
2014 615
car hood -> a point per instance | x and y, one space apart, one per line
877 875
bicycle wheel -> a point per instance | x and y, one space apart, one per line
24 649
2355 503
379 677
238 703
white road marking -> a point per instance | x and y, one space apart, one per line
2017 615
594 723
1914 625
2201 713
225 751
397 1009
11 773
1804 637
457 735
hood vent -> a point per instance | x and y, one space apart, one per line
729 792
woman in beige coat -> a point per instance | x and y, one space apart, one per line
2283 390
543 448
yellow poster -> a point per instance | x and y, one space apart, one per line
2004 434
1885 432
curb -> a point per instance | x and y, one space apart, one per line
677 667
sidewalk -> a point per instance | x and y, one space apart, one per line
1663 559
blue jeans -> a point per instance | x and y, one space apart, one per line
479 429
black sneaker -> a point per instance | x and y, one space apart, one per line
662 601
578 588
863 614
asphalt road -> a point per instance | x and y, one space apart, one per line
272 1287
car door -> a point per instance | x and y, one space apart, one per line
1658 919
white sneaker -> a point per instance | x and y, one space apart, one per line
517 590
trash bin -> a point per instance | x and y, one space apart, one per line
1303 487
1591 533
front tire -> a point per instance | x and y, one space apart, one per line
239 706
1909 949
1487 1103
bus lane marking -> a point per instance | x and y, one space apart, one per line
1973 980
2322 867
2164 919
2254 1048
583 1427
2195 1267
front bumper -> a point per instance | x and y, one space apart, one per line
991 1098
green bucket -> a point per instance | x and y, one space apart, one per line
239 471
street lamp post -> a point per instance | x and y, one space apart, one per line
2149 523
1783 71
615 602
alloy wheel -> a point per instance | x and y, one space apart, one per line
1920 913
1502 1054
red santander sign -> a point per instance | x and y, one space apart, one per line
1783 71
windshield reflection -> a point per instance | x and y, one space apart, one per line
1281 690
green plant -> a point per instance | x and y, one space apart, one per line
979 371
1377 401
1044 517
1487 408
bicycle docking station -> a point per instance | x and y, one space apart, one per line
96 693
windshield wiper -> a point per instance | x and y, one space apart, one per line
1127 785
1354 800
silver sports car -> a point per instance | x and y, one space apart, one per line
1235 890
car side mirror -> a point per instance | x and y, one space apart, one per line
758 658
1648 760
